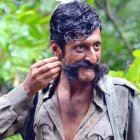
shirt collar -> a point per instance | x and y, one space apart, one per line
102 86
98 98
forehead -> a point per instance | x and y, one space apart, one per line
92 38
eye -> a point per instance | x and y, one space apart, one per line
80 48
97 45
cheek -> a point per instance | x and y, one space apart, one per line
99 56
72 58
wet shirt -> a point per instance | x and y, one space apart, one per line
14 112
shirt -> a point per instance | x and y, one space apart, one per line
15 106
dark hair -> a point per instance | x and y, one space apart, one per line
71 20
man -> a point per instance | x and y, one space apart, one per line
76 99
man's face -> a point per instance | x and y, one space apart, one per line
80 55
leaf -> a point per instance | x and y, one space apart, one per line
15 137
133 73
91 2
136 53
116 73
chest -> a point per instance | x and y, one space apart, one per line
95 125
71 117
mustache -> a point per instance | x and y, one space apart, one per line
83 64
71 70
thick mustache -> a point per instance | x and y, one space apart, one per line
84 64
71 70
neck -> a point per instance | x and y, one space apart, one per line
74 89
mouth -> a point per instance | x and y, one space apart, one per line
86 70
87 73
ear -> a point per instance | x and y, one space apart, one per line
55 49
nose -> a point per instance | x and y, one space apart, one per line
91 56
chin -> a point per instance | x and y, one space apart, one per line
86 78
86 75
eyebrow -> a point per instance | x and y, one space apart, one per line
84 43
98 42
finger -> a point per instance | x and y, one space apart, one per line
48 67
44 61
46 81
50 73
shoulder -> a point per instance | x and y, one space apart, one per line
122 84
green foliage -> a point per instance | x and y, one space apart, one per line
91 2
133 72
126 17
24 37
118 73
15 137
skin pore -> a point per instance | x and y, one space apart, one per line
75 98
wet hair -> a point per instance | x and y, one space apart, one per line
71 21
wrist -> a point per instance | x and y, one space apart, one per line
28 90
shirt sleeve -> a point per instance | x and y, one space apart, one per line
14 110
133 124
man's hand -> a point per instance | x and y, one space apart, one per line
40 74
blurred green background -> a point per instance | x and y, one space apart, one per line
24 38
